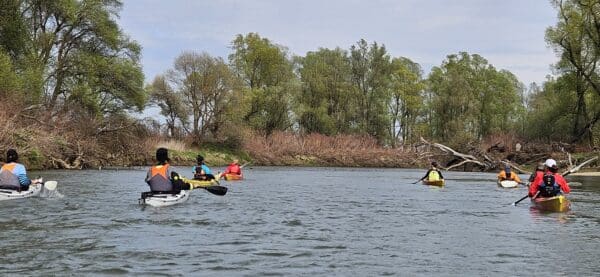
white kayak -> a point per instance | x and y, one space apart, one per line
9 194
508 184
163 200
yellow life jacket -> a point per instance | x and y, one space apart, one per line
433 175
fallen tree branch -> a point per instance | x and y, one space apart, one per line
465 157
578 167
516 167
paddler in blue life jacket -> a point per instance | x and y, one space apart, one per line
201 171
433 174
13 174
161 178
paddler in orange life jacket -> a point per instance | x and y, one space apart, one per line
433 174
551 183
13 174
233 168
161 178
507 174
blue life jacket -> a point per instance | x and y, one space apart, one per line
549 187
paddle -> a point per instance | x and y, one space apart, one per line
50 185
207 185
417 181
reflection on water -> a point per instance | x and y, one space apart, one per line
300 221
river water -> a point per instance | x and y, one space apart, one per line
300 221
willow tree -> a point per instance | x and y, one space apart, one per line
204 85
576 38
470 99
73 54
370 72
268 75
406 86
327 102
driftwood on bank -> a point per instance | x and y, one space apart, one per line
466 158
578 167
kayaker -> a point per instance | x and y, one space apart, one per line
13 174
538 173
161 178
507 174
201 170
433 174
551 183
233 168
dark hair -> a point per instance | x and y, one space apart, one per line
162 155
11 156
435 164
199 159
553 169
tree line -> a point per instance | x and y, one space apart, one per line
71 61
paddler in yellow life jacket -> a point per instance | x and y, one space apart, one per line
161 178
433 174
507 174
13 174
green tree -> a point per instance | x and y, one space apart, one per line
370 75
76 54
327 101
470 99
268 74
205 84
406 85
576 38
170 103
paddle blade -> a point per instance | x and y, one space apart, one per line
217 190
50 185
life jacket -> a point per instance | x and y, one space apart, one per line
549 187
159 178
198 172
8 179
234 169
433 175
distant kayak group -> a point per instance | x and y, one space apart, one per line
546 186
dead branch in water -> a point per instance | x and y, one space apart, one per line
578 167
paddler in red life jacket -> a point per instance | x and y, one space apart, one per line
537 174
13 174
507 174
551 183
433 174
161 178
233 168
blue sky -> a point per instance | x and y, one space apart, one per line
508 33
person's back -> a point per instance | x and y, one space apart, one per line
201 171
433 174
551 183
13 174
233 168
158 176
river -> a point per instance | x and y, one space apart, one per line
286 221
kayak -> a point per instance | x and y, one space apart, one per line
163 200
438 183
552 204
508 184
200 183
233 177
9 194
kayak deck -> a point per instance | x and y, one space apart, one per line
552 204
8 194
163 200
508 184
437 183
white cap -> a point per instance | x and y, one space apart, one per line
550 163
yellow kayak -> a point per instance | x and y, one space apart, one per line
232 177
438 183
200 183
552 204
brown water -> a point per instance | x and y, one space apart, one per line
300 221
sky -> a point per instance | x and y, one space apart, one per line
508 33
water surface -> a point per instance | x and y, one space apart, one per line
300 221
